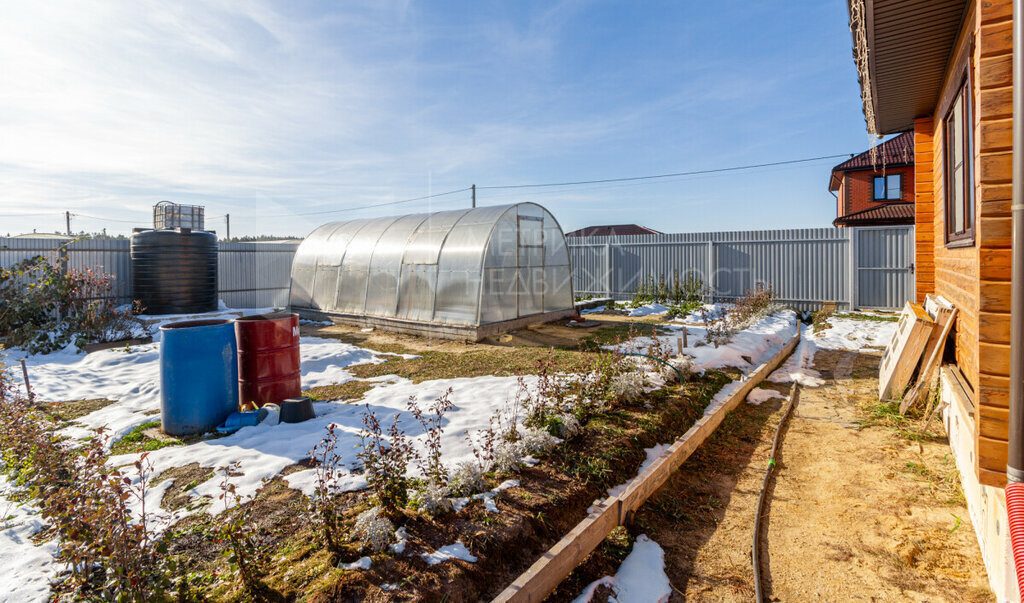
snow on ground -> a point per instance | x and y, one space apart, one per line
641 577
848 333
449 552
747 349
262 451
649 310
363 563
25 568
797 368
759 395
711 311
132 379
652 454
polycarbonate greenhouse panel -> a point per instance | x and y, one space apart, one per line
416 292
464 268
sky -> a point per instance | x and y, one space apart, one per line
270 110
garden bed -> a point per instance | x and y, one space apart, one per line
382 372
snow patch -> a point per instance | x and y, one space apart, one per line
797 368
649 310
449 552
641 577
363 563
25 568
758 395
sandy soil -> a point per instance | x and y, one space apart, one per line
858 511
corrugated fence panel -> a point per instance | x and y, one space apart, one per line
111 256
804 267
884 258
250 275
255 275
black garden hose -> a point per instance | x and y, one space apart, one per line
793 397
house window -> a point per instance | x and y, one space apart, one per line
959 183
888 188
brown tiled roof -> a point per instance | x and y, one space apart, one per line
884 215
894 152
612 230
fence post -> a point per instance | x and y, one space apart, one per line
609 275
852 250
710 297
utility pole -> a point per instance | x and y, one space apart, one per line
67 219
227 218
474 195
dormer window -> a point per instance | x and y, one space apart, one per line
888 188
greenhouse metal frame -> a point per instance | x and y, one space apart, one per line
462 274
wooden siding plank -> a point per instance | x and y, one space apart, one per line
996 231
996 39
996 135
996 72
996 168
994 390
996 103
994 358
996 10
994 422
995 264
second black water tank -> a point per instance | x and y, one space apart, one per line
174 272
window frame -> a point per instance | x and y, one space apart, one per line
885 198
965 237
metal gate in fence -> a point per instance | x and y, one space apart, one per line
855 267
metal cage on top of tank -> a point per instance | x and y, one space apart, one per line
460 274
168 215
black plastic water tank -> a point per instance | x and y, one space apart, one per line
174 272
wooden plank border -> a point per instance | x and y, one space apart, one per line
560 560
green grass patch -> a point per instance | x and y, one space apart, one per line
135 441
869 317
500 361
76 409
348 391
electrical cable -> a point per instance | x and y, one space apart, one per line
334 211
794 396
691 173
629 179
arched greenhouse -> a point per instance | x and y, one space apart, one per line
461 274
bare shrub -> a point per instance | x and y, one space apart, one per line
244 546
44 307
322 507
386 460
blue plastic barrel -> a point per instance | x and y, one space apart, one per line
198 375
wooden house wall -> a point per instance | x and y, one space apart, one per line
975 278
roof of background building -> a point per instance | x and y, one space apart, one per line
612 230
890 213
897 151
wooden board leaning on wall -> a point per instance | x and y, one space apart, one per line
904 351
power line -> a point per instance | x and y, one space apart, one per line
691 173
334 211
636 179
76 215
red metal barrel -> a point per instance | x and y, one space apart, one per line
268 358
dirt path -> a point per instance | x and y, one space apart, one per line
858 511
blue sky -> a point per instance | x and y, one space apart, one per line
268 110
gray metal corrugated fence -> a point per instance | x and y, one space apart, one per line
856 267
250 275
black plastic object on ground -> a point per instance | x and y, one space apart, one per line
174 271
297 410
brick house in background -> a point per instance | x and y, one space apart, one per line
876 189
